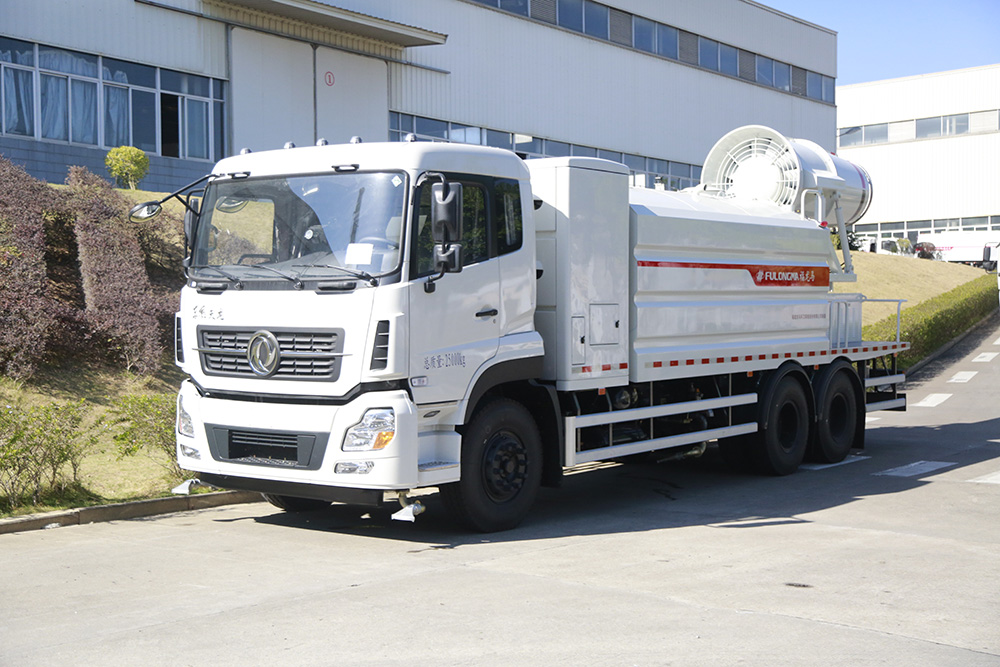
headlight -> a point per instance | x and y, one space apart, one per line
375 431
185 425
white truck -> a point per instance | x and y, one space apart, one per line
964 247
364 319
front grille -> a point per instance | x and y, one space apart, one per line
305 355
267 448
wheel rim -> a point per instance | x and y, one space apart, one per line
505 466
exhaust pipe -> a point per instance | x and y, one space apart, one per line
410 510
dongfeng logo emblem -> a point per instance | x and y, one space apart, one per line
263 353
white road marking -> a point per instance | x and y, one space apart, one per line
985 357
869 420
916 469
823 466
988 479
963 376
932 401
997 341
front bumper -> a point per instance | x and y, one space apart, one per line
294 449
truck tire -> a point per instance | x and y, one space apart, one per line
293 504
838 417
501 468
781 446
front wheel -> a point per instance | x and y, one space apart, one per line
501 468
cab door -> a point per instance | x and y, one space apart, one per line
454 330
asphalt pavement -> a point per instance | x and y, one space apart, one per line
890 558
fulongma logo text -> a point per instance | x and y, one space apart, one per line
263 353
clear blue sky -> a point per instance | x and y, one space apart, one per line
885 39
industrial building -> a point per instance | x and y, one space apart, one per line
931 144
651 83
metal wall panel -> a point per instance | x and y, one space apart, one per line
126 30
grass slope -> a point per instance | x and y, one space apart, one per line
902 277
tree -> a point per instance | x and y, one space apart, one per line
128 165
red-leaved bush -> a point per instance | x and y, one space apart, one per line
121 305
27 311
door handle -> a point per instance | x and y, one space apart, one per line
488 312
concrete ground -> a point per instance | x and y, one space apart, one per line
892 558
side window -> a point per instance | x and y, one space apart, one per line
507 213
475 226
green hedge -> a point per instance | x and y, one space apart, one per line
933 323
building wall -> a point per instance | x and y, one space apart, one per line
496 70
926 183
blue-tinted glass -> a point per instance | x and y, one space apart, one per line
614 156
828 88
405 122
814 85
55 107
83 103
498 139
516 6
556 148
595 20
708 53
782 76
129 73
16 51
571 14
144 120
218 121
658 166
116 116
643 34
69 62
876 134
219 89
635 162
666 41
583 151
729 60
849 136
19 105
680 169
393 120
188 84
196 123
527 144
428 127
765 71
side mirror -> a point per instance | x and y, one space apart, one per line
446 212
145 211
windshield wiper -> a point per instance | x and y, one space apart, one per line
233 279
362 275
294 279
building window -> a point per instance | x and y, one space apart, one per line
765 71
570 14
876 134
708 54
729 60
595 19
96 101
783 76
644 34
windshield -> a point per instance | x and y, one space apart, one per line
301 228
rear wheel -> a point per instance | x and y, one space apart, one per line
501 468
293 504
781 446
837 425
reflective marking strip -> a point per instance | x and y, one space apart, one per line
963 376
824 466
915 469
932 401
985 357
773 356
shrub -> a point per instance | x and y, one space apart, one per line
148 426
120 303
41 450
933 323
127 165
27 310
